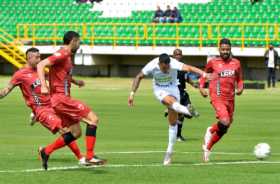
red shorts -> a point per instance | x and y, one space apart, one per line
47 117
224 109
70 111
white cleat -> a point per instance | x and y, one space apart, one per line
192 110
83 162
96 161
206 153
167 159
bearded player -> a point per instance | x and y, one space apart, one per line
222 90
60 79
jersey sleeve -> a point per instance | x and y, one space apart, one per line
16 79
148 68
177 65
58 56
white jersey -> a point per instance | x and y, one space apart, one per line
160 79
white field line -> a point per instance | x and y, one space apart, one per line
139 165
158 151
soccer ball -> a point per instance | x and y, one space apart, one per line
262 151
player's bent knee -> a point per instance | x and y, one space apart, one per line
222 128
77 133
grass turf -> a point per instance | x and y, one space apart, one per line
134 139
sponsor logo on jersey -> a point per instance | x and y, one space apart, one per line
227 73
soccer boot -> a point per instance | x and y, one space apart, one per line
96 161
167 158
44 158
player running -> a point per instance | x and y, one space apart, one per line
60 79
164 70
222 92
28 82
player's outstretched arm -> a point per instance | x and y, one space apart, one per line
79 83
135 85
188 68
5 91
41 74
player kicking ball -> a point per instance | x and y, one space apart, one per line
222 92
164 71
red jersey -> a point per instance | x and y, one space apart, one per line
60 74
229 75
28 81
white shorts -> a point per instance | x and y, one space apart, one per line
161 93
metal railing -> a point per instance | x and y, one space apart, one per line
176 34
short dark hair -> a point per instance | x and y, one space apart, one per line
225 41
32 49
68 37
164 58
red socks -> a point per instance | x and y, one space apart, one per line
90 140
75 149
58 143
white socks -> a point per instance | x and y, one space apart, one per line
180 108
172 137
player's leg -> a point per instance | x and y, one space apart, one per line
172 134
180 121
78 111
181 117
77 132
172 103
217 130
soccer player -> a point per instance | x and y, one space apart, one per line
27 80
60 79
183 77
222 90
164 70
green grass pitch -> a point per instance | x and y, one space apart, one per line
134 140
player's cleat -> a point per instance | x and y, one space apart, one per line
181 139
44 158
32 119
206 153
96 161
83 162
192 110
167 158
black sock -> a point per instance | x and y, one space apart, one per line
91 130
68 138
179 131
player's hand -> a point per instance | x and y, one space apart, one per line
80 83
131 99
44 90
239 91
203 92
211 76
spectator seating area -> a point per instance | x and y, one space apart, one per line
227 18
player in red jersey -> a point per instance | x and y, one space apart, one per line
222 90
60 79
29 83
